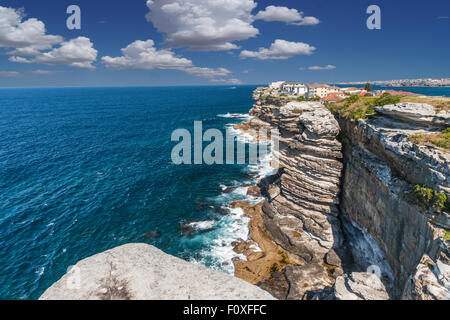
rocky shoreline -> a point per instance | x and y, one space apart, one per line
338 221
346 215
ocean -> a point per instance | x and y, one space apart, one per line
83 170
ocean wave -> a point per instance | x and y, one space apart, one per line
220 254
202 225
235 115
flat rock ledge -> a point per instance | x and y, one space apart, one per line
143 272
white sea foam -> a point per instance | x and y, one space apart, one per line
219 253
235 115
203 225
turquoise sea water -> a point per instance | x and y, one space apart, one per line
87 169
83 170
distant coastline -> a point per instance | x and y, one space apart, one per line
425 82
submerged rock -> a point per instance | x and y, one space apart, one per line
152 235
142 272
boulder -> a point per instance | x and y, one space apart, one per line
143 272
431 281
416 113
360 286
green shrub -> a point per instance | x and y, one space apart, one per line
301 98
352 99
274 268
440 139
428 198
447 236
385 99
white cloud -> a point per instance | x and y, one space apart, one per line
229 81
203 25
279 50
284 14
19 59
45 72
208 73
27 37
78 52
9 74
142 55
327 67
30 43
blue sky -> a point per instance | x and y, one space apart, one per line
413 42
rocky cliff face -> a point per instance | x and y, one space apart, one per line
301 213
381 167
342 203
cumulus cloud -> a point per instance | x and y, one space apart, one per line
30 43
78 52
279 50
209 73
142 55
284 14
9 74
26 37
203 25
327 67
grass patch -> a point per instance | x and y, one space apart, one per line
440 139
428 198
447 236
353 107
296 234
439 103
284 258
274 268
297 111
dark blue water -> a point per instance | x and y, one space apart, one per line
83 170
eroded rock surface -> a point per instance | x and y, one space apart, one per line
360 286
381 168
301 211
142 272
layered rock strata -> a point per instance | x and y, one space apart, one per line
343 210
381 167
301 212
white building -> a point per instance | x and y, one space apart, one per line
320 90
276 85
294 88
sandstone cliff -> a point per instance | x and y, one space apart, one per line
381 168
342 205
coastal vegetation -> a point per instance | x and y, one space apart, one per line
447 236
439 103
359 107
429 199
439 139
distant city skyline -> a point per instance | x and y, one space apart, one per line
199 42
